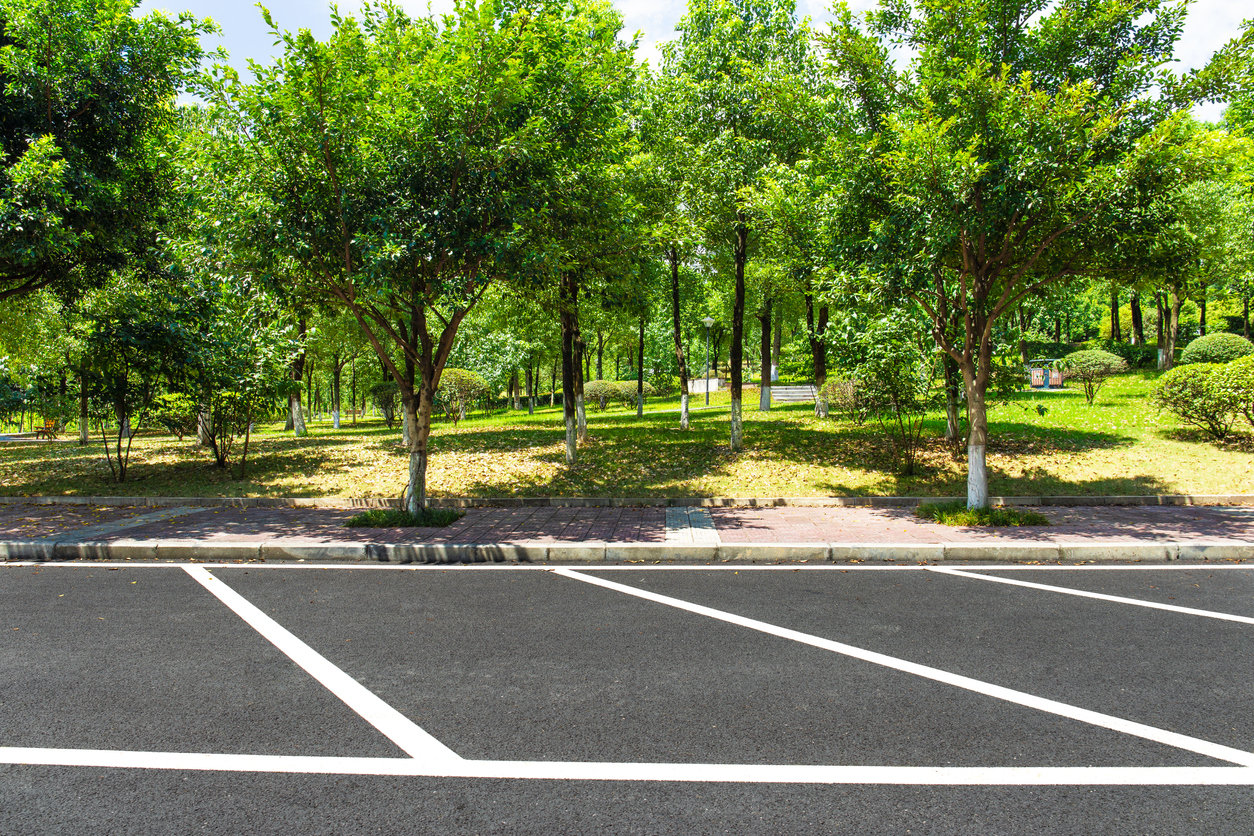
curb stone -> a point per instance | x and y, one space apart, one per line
598 552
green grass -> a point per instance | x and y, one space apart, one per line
957 513
1120 445
399 518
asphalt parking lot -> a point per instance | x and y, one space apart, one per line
301 699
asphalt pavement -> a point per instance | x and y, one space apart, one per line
223 698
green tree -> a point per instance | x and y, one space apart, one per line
86 91
722 63
392 167
1017 134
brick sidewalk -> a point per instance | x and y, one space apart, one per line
628 525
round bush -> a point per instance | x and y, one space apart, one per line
1090 368
598 393
1240 375
1217 348
1205 395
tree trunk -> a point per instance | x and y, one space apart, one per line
1138 321
600 354
553 383
1116 333
295 415
765 321
1201 309
418 418
337 370
569 294
531 390
84 428
640 372
582 366
680 354
953 384
736 361
818 350
1171 332
1057 329
352 389
513 389
977 443
777 342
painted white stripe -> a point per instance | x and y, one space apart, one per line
1136 602
1084 715
397 727
669 772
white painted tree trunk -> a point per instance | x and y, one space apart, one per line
405 429
582 418
335 418
736 426
298 415
977 477
572 434
683 411
820 407
764 398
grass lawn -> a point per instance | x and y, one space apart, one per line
1120 445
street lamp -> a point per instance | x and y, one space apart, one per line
709 323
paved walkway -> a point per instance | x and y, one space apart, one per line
630 533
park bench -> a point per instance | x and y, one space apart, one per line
48 430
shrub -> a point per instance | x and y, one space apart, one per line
1240 374
957 513
460 389
846 396
1137 356
1091 368
400 518
176 414
1217 348
623 392
597 393
1204 395
385 395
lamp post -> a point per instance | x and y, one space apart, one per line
709 323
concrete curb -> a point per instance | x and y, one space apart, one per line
599 552
1168 500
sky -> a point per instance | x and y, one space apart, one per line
1211 24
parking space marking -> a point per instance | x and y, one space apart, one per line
661 772
1082 593
627 567
398 728
1083 715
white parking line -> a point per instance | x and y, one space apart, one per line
1136 602
1084 715
662 772
402 731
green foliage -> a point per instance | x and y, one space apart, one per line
384 394
1217 348
846 396
1240 376
176 413
598 393
459 390
1205 395
957 513
1091 369
86 90
400 518
895 376
1136 356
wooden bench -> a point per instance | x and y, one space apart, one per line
48 431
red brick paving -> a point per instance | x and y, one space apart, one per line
642 525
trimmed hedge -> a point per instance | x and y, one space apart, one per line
1217 348
1208 396
600 392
